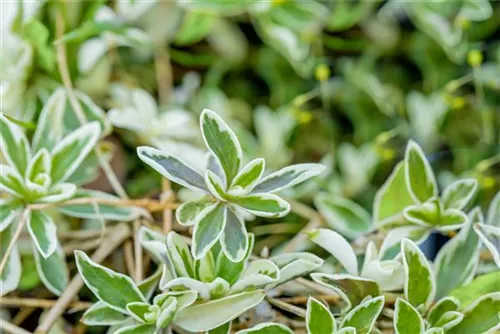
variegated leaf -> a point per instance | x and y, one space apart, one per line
53 270
230 271
459 194
442 306
43 232
338 247
420 284
234 240
248 177
267 328
11 274
153 242
102 315
223 143
204 268
420 178
11 211
180 255
482 316
432 213
137 329
187 212
319 320
263 205
37 175
69 153
172 168
167 313
188 284
494 211
14 145
215 186
418 234
208 228
288 177
11 181
407 320
490 236
258 274
293 265
363 316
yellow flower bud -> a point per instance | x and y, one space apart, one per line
322 72
475 58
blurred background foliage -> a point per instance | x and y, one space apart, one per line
344 82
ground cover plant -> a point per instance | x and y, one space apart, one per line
250 167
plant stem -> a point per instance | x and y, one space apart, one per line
62 63
287 307
40 303
13 241
148 204
11 328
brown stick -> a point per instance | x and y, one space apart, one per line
11 328
116 236
13 241
40 303
148 204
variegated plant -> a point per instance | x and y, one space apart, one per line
34 178
232 193
196 294
320 320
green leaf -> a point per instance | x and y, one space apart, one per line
490 236
420 178
137 329
172 168
248 176
208 228
59 192
102 315
90 29
38 35
53 270
234 240
456 261
343 215
319 320
480 286
288 177
420 284
114 289
459 194
11 181
39 166
215 185
364 316
449 320
441 307
186 213
167 314
222 329
351 289
263 205
212 314
138 310
229 270
407 320
494 211
43 232
11 211
267 328
180 255
481 316
476 10
223 143
154 243
148 286
14 145
432 213
195 26
99 211
417 234
11 274
347 330
338 247
205 268
258 274
69 153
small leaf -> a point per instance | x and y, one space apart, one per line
148 286
432 213
53 270
208 228
234 240
248 177
186 213
494 211
258 274
11 274
102 315
407 320
69 153
351 289
10 213
458 194
267 328
137 329
90 29
490 236
137 310
215 186
392 198
441 307
456 261
223 143
11 181
449 319
179 255
264 205
338 247
59 192
153 242
37 173
205 268
172 168
38 35
184 298
43 232
481 316
319 320
343 215
420 178
14 145
230 271
363 316
114 289
417 234
222 329
211 314
420 284
288 177
187 284
167 314
293 265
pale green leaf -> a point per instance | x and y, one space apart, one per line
343 215
138 310
102 315
480 286
211 314
11 274
208 228
50 126
417 234
229 270
11 181
205 268
319 320
14 145
183 284
53 270
407 320
267 328
288 177
167 314
490 236
258 274
449 319
364 316
59 192
494 211
293 265
248 176
187 212
481 316
180 255
215 185
11 212
441 307
223 143
153 242
114 289
420 284
432 213
37 176
234 240
420 178
459 194
172 168
137 329
222 329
